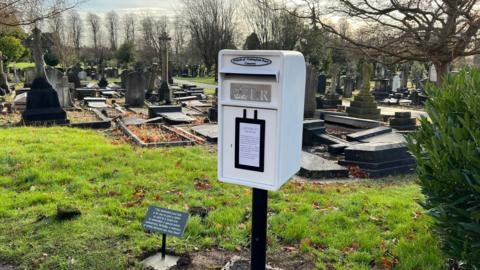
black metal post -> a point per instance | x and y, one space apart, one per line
259 229
164 246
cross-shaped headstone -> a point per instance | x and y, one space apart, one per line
38 44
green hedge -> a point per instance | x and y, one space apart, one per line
447 149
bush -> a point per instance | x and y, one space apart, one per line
447 149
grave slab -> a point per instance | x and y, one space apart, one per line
209 131
352 121
380 159
177 118
315 167
364 134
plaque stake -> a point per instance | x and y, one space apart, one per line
259 229
164 245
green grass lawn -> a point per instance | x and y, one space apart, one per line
21 65
206 80
339 226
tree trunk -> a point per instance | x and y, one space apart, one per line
442 71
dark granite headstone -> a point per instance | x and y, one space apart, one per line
311 129
403 121
43 106
322 84
103 83
380 159
135 94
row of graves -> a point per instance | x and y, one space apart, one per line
390 88
356 141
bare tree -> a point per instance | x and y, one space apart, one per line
439 31
275 27
179 39
94 23
153 37
129 24
111 24
212 26
28 12
75 28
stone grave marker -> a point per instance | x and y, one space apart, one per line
311 85
135 94
380 159
43 106
396 83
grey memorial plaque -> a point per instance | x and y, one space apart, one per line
251 92
165 221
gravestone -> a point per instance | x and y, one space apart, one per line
311 85
396 83
82 75
3 77
331 99
403 121
164 93
103 83
322 84
56 79
316 167
312 129
29 76
348 85
73 78
432 74
379 159
364 105
135 94
43 106
123 78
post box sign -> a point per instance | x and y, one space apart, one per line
261 98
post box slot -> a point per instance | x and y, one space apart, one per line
272 77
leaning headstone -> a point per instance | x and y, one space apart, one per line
43 106
311 85
135 94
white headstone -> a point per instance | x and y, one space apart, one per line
433 74
396 83
82 75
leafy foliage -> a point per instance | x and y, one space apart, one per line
126 53
447 148
11 47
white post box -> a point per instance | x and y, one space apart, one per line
261 99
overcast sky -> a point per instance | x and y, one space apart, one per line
157 7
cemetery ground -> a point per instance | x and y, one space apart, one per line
364 224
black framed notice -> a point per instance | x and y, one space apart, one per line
250 144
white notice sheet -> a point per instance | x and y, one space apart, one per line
249 144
